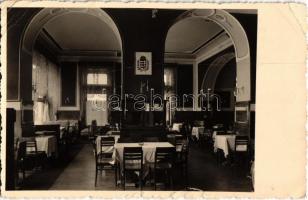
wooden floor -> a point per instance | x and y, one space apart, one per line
77 172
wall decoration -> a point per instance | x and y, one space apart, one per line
143 65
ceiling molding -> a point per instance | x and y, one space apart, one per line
88 58
46 40
208 41
179 60
215 46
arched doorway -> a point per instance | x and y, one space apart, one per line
73 35
221 31
239 40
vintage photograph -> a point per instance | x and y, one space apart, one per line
130 99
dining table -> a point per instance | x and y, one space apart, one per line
177 127
113 132
48 144
148 148
197 131
225 142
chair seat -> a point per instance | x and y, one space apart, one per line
241 148
161 165
105 161
132 166
35 153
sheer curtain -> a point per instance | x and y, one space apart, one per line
98 87
169 82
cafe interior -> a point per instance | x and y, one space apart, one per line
130 99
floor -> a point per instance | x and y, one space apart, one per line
77 172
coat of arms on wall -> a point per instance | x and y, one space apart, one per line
143 63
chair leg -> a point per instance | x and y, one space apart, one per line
124 179
23 174
115 176
186 175
155 179
150 173
95 177
171 178
140 179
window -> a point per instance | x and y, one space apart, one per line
96 97
169 82
97 79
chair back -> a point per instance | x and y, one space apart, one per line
241 143
21 150
133 155
164 155
179 141
107 141
31 146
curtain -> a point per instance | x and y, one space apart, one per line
96 92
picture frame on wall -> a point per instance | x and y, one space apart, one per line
143 63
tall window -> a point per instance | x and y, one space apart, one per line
98 86
97 79
169 81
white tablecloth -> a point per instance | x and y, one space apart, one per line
47 144
196 131
224 142
177 127
113 133
148 149
105 149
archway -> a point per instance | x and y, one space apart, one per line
209 79
32 31
239 40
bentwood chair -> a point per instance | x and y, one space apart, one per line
133 162
103 158
163 163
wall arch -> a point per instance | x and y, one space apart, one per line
48 14
240 42
210 76
32 31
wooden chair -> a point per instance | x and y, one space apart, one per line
103 159
182 160
241 149
164 162
133 162
21 152
33 155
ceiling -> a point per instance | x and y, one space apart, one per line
188 35
79 31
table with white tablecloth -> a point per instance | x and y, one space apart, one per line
196 131
111 132
224 142
177 127
148 148
48 144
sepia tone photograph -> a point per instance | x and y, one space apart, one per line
131 99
